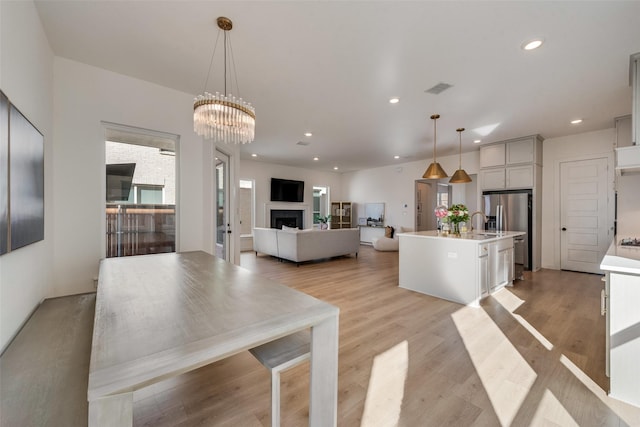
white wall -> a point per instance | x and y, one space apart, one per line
83 97
589 145
26 64
395 186
263 172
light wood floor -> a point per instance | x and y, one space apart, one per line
464 366
530 355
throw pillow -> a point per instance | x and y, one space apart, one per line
388 231
285 228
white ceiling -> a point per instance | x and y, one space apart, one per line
330 67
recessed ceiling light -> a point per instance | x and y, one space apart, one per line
335 168
308 134
396 157
576 121
477 141
532 44
315 159
394 100
254 155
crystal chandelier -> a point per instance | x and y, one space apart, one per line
221 116
434 171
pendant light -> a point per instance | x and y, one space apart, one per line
460 176
223 117
434 171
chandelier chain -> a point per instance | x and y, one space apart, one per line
213 54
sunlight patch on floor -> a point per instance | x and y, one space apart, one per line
511 302
550 412
505 374
386 387
628 413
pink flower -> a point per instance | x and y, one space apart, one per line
441 212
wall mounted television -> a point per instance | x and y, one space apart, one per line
287 190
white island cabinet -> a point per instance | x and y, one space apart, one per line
621 304
459 269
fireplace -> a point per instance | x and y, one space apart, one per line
288 217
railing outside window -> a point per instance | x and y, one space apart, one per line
140 229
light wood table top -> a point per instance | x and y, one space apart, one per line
158 316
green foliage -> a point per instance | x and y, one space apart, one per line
324 219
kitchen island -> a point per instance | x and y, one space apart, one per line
461 269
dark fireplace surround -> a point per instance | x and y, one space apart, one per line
288 217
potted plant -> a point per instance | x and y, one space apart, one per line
323 221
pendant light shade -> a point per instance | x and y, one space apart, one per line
434 171
460 176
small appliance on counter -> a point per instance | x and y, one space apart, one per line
630 242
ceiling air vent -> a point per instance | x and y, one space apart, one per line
439 88
305 143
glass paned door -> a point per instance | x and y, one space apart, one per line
140 193
222 224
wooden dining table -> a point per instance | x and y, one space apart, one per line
158 316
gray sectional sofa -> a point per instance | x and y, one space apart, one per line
306 245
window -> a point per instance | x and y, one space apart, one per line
140 192
320 203
246 207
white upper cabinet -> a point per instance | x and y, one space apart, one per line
492 179
520 152
519 177
510 164
492 155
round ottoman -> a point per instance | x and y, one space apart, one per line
385 243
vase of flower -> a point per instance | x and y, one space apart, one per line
324 222
456 229
457 215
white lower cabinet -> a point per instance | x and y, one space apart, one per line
483 270
501 264
623 343
368 233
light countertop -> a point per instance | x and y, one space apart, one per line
621 259
477 236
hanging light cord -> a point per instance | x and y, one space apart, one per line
215 46
233 67
435 117
460 147
225 63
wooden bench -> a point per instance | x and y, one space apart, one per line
278 356
46 367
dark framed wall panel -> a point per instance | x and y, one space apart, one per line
26 181
4 173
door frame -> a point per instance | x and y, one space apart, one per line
227 217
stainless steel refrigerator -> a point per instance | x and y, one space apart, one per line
511 210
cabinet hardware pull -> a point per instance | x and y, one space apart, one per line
603 303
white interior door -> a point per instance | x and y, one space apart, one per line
222 227
584 235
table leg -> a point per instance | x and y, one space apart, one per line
323 393
112 411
